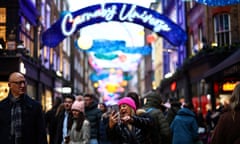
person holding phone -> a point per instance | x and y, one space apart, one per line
126 127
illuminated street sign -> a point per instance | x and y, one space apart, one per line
71 22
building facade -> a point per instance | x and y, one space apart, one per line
211 39
50 72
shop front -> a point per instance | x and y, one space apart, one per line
190 82
40 82
222 79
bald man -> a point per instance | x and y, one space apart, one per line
21 118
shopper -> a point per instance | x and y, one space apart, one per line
93 114
21 118
227 129
184 126
160 133
126 127
62 118
79 126
103 139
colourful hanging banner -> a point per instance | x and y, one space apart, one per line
69 23
106 46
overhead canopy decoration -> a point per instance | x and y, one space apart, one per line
69 23
125 62
218 2
105 46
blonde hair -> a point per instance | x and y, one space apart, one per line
132 111
235 97
234 100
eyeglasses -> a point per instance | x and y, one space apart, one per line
19 82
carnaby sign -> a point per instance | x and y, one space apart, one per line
69 23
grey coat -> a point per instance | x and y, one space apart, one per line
81 137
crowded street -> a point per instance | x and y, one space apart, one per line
119 72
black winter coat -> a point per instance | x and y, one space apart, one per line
120 134
93 114
59 126
33 130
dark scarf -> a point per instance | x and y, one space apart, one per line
16 120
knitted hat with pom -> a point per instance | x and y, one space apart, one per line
126 100
78 105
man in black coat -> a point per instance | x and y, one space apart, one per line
93 114
62 119
21 118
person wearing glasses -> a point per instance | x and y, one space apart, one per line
21 118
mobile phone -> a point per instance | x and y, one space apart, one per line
115 108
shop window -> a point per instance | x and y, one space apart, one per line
31 90
3 23
3 90
27 35
43 12
222 29
48 16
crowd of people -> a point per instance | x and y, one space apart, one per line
83 119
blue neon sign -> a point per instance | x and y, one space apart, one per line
69 23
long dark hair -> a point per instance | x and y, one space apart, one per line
79 120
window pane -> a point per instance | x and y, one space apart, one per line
222 29
227 38
226 22
3 23
2 15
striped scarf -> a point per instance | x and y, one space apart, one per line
16 121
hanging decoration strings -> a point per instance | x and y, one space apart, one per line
106 46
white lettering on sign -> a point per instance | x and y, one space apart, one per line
109 13
145 17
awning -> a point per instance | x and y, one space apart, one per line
231 60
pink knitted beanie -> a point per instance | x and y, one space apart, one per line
128 101
78 105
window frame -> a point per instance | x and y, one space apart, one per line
222 29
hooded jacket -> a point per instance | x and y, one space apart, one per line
184 127
160 133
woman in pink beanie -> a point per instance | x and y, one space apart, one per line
126 127
79 126
130 102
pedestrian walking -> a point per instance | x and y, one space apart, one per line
175 105
63 116
227 128
21 118
160 133
136 99
184 126
93 114
103 139
79 126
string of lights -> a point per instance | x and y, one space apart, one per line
218 2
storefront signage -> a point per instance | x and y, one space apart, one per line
228 86
69 23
